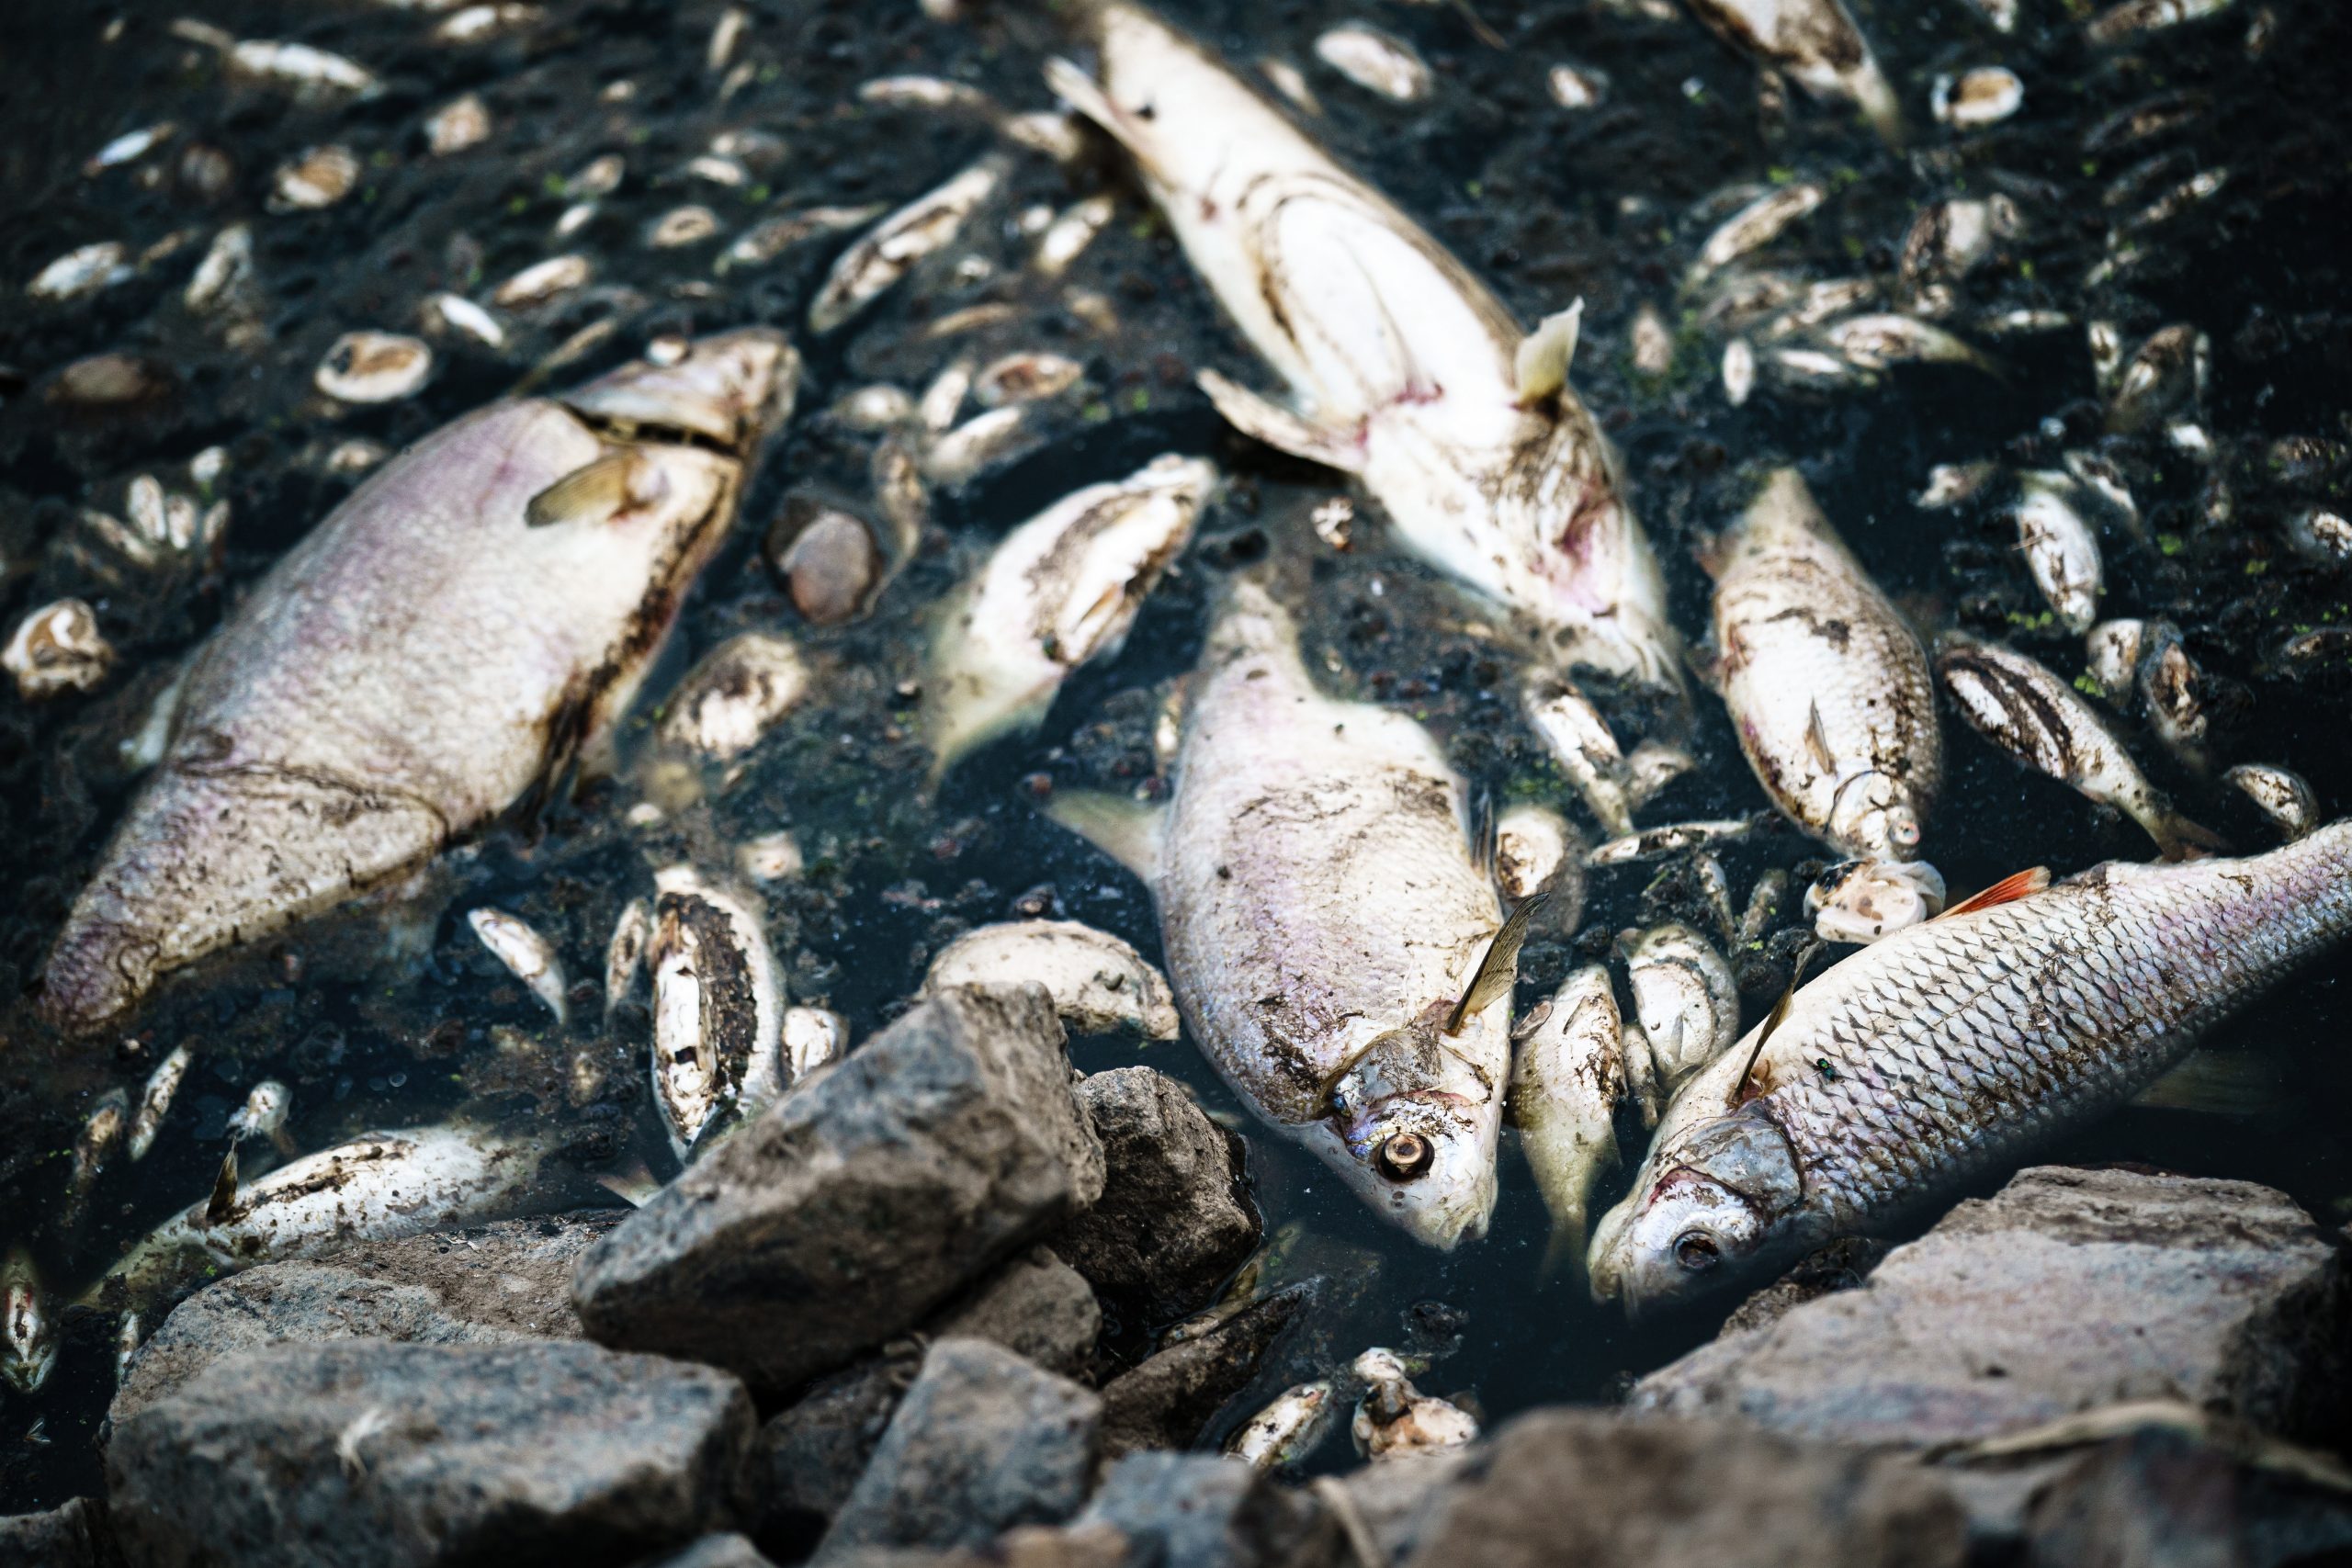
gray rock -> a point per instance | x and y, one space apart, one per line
807 1459
366 1452
2069 1289
1165 1400
1174 1220
1036 1306
1206 1511
1600 1490
73 1536
716 1551
493 1284
846 1214
1843 1264
2163 1499
983 1441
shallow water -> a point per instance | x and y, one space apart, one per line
385 1015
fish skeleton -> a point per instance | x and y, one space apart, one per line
441 647
1404 368
1826 684
1949 1050
1323 916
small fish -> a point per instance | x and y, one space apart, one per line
1100 984
813 1037
1754 226
313 75
1058 590
129 147
2132 20
78 273
2165 374
1566 1082
2176 691
1863 900
1952 239
1816 45
28 1330
1377 62
2043 722
981 442
126 1347
1946 1053
2284 796
263 1115
1653 843
1764 901
57 649
1738 371
1537 854
1685 999
2061 549
1581 743
1072 230
1950 484
1287 1430
101 1133
1877 341
528 956
1576 86
739 691
892 248
762 242
718 1007
318 178
1395 1420
1985 96
543 281
155 1101
2112 649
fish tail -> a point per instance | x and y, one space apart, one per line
1563 1253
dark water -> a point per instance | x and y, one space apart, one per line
1549 206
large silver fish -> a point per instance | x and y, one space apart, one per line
1324 920
1402 368
1951 1049
447 641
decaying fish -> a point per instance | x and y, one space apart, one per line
1100 984
57 649
1564 1085
101 1133
1750 228
736 694
813 1037
446 644
1060 590
2134 19
263 1115
1395 1420
155 1101
1376 61
2176 691
1685 999
1876 340
1582 743
1986 95
1652 843
2283 795
528 956
1863 900
2061 549
1826 684
374 1187
1947 1052
2042 721
1537 854
1817 45
2320 534
1404 368
718 1007
1334 943
891 250
27 1328
624 952
1286 1430
2112 650
2165 375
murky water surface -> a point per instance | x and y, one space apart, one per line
391 1013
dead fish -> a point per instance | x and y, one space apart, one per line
1951 239
2037 718
1754 226
1058 590
1019 377
479 23
1072 230
2107 486
129 148
1576 86
373 367
1404 369
375 1187
2165 375
625 953
101 1133
450 638
2320 534
1335 945
1816 45
528 956
981 441
893 247
312 75
1580 741
1684 997
1943 1055
126 1347
1861 900
1566 1082
318 178
1652 341
2060 549
461 123
155 1101
263 1115
1877 341
1738 371
1763 909
80 273
461 314
1376 61
2174 690
543 281
764 242
1950 484
1395 1420
2113 650
2284 796
28 1330
739 691
1827 684
1654 843
682 226
1288 1430
813 1037
57 649
2134 19
1537 854
718 1007
1986 95
1100 984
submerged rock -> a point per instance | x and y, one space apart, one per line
378 1454
1173 1220
844 1214
74 1536
2069 1289
2162 1499
1204 1511
806 1460
1164 1400
1036 1306
982 1441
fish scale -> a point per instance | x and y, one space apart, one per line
1951 1048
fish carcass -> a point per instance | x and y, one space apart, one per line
445 645
1403 369
1324 920
1564 1087
1951 1049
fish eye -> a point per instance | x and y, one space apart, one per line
1697 1251
1404 1156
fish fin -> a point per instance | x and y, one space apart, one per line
1564 1251
1542 363
1641 1071
1085 94
1261 419
1772 1022
1498 971
2179 839
222 1204
2220 1083
2009 890
597 492
1127 830
1816 740
1484 847
636 1186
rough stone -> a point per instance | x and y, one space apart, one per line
1165 1400
76 1534
1036 1306
1205 1511
1606 1490
367 1452
728 1551
2163 1499
843 1215
1843 1264
1174 1220
2069 1289
982 1441
807 1458
492 1284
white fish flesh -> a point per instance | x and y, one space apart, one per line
2281 795
528 956
1100 984
1565 1086
1287 1429
1395 1420
718 1007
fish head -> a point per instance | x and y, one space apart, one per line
1413 1128
1875 812
1176 110
729 389
1707 1213
1863 900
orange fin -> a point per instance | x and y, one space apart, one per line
2009 890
